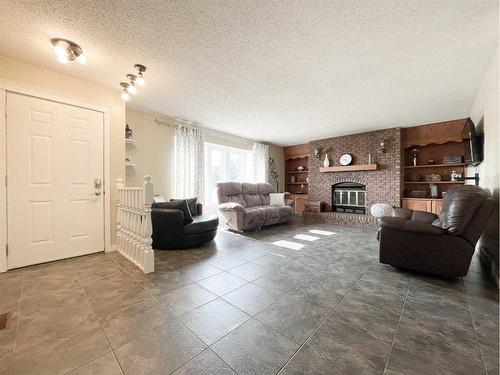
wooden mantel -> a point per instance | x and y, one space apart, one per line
349 168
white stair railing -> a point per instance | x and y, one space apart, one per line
133 224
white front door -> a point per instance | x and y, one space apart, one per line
55 208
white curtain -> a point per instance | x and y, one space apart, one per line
188 162
259 162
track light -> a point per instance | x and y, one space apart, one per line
125 95
131 88
140 77
67 51
133 81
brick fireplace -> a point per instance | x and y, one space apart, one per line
380 186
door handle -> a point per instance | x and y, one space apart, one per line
97 186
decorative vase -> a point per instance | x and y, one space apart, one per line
326 162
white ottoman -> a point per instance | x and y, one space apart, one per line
379 210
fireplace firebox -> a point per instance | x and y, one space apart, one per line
349 197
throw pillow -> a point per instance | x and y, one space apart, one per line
191 202
277 199
177 205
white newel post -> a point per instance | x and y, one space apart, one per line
133 224
119 218
147 252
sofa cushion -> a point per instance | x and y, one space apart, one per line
265 188
180 205
252 200
254 217
191 202
226 190
285 211
249 188
237 199
201 224
265 199
261 215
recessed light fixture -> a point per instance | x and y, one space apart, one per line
140 78
125 95
67 51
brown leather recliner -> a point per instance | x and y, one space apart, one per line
441 244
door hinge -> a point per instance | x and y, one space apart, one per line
7 249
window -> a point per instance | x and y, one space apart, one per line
223 163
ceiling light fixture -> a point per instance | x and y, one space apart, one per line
140 78
67 51
131 88
125 95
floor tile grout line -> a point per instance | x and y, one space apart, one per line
100 325
474 327
185 326
321 323
397 326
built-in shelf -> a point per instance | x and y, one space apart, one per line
434 182
297 172
435 165
296 156
130 141
297 183
131 165
349 168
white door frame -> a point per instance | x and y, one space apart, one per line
19 88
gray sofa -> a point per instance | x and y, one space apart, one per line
245 206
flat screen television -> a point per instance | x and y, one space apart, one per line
476 142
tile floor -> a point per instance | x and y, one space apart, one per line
243 305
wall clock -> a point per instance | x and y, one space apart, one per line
345 159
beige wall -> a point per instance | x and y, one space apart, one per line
276 153
87 92
152 153
485 114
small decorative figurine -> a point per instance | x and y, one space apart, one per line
128 132
455 175
415 153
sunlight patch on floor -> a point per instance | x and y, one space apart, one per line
288 244
305 237
322 232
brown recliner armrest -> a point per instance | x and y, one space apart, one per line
400 224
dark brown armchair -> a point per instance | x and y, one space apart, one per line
441 244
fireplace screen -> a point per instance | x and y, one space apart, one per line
349 197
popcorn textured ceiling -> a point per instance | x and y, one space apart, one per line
285 72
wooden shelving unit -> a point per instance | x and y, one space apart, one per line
349 168
433 141
296 181
434 166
